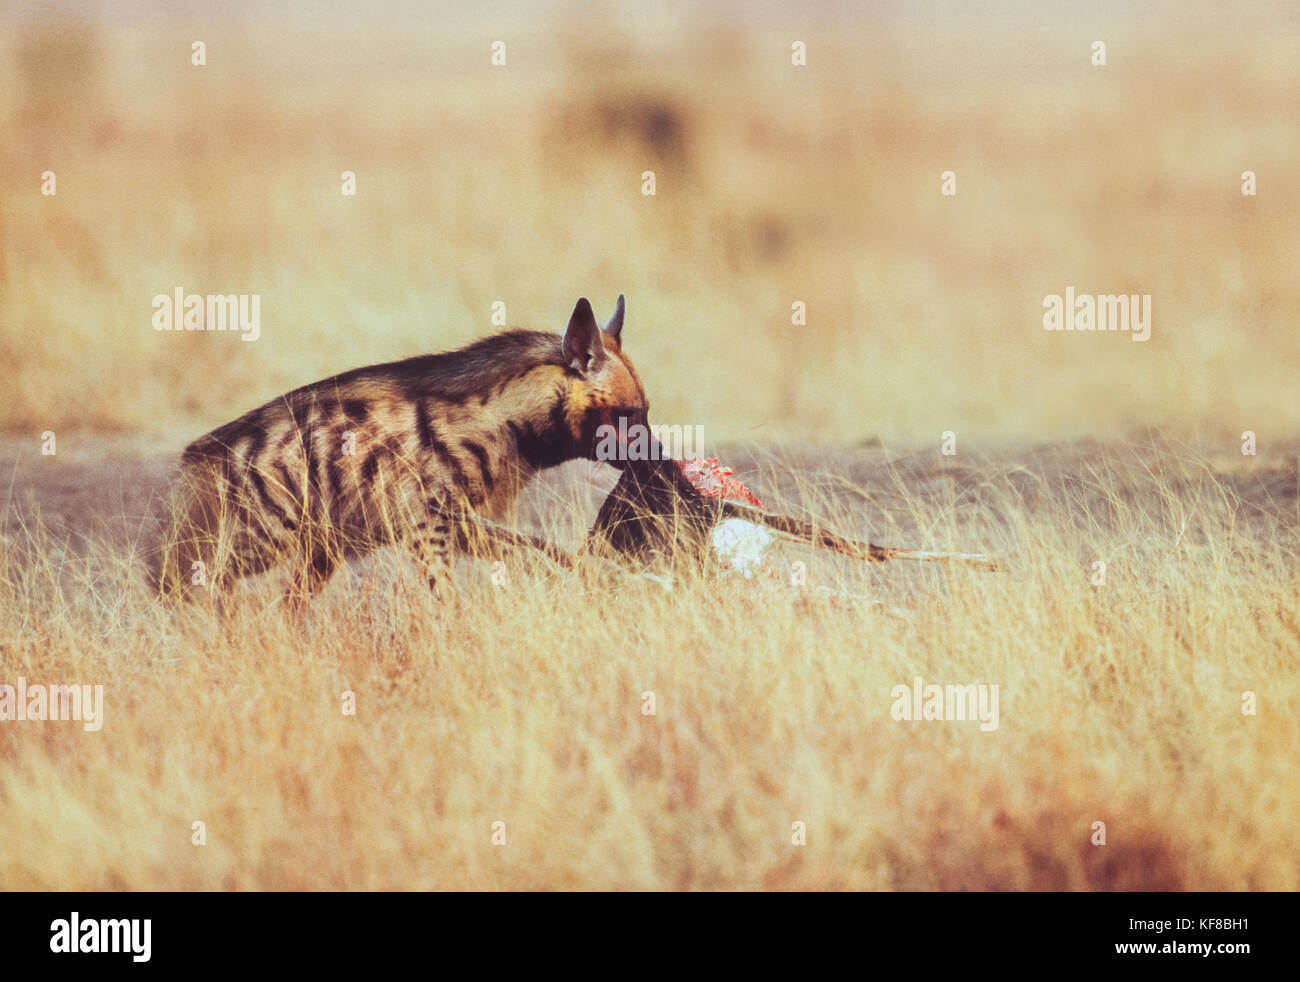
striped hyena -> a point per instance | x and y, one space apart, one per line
401 453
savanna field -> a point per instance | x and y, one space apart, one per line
521 702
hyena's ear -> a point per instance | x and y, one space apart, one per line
615 326
583 350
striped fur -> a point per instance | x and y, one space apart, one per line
392 454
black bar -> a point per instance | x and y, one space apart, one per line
659 932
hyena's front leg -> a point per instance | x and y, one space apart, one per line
430 543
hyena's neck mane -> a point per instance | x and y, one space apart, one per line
476 372
518 377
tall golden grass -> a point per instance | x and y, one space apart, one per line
523 703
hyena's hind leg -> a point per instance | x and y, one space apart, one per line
188 554
316 563
209 540
431 544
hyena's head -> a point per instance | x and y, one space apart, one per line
607 405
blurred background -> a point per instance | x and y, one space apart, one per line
522 184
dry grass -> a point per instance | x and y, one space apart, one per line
1119 704
522 704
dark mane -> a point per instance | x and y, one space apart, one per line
453 376
477 370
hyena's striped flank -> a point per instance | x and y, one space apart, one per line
392 454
